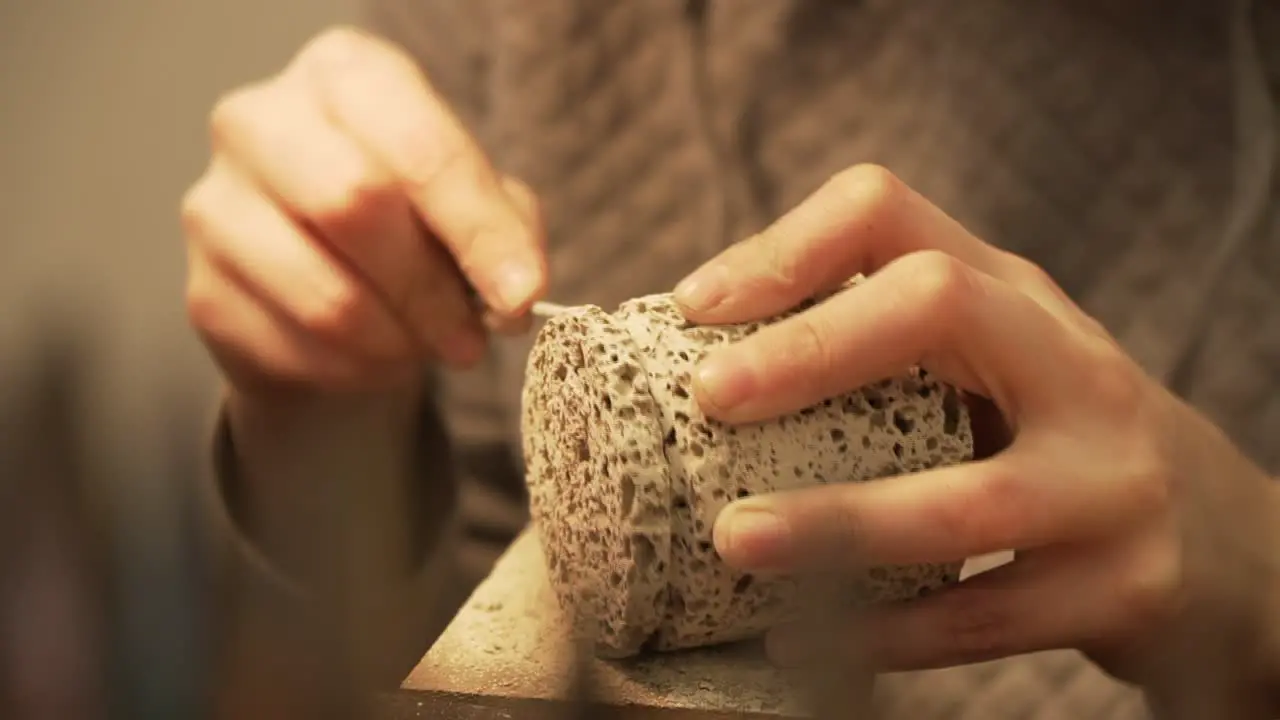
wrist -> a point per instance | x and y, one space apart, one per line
298 459
283 439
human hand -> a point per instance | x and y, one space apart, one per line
344 213
1142 536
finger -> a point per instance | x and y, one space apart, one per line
380 96
859 221
1016 500
526 203
523 197
925 309
504 325
238 227
276 134
1057 600
255 342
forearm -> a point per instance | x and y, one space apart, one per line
333 528
314 474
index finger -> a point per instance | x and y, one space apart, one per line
380 96
926 309
859 221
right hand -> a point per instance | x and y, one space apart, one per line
341 219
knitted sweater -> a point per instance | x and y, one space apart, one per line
1110 141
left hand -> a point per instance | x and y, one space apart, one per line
1142 536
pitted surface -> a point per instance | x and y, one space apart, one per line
1092 137
597 482
896 426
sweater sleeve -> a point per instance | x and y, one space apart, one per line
450 41
344 533
341 562
455 44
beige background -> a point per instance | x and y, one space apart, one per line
102 125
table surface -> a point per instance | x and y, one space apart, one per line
412 705
505 656
507 653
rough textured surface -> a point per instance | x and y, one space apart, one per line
511 639
589 403
1093 137
597 479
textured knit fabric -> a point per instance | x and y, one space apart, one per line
1092 136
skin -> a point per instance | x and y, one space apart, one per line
347 235
344 213
1143 537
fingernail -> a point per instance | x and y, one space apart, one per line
516 284
703 290
722 383
751 537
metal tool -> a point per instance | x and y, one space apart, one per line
547 310
540 309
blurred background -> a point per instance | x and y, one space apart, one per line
102 126
103 109
103 106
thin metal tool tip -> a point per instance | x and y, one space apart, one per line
544 309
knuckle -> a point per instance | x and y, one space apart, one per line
204 307
519 190
784 267
872 186
848 536
336 47
1148 489
240 111
767 256
205 301
1150 595
1094 328
426 164
526 198
1117 383
335 311
987 521
1140 455
811 347
232 113
536 214
351 199
195 209
1034 280
944 285
1030 273
1098 341
975 626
